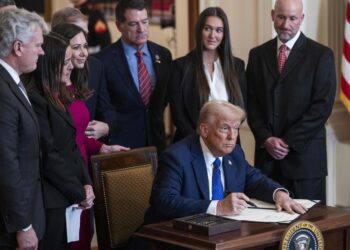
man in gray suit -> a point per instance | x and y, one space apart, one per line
21 204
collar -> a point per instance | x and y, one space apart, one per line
290 43
209 158
130 50
13 73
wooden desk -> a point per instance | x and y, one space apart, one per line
333 222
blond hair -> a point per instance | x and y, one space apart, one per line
213 109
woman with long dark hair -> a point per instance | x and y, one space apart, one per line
63 117
208 72
66 180
78 92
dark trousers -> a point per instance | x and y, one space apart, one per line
55 237
312 189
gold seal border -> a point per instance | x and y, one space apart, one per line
299 225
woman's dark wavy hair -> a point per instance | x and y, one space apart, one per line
47 78
79 77
225 55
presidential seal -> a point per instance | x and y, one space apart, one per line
302 235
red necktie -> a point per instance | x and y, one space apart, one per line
144 78
282 57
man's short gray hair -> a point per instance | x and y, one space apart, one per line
18 24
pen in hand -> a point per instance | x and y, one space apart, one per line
252 204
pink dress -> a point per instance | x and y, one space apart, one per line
87 146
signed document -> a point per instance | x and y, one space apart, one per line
266 212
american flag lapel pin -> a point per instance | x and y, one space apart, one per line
157 57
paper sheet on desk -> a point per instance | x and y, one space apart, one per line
266 212
73 222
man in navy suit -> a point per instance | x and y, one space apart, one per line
288 106
132 121
187 181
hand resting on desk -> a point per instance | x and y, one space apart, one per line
284 202
235 203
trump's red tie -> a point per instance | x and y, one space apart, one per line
144 78
282 57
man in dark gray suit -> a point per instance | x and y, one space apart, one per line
21 205
291 85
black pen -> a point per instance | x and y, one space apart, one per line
252 204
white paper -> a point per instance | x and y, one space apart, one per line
262 204
73 222
266 212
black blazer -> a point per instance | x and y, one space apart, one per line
21 201
184 94
293 106
95 78
131 123
63 167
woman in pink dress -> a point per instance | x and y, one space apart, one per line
79 91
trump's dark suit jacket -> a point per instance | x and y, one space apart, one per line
183 92
131 123
63 168
21 201
293 105
181 184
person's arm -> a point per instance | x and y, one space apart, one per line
179 74
166 197
256 119
104 108
27 239
55 169
284 202
97 129
92 145
14 205
276 147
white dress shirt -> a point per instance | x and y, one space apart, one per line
209 158
289 44
217 83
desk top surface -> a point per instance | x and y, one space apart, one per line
250 234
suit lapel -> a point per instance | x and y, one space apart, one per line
121 65
199 167
296 54
157 66
20 96
271 58
66 116
229 173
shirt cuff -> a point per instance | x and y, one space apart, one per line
279 189
27 228
212 207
